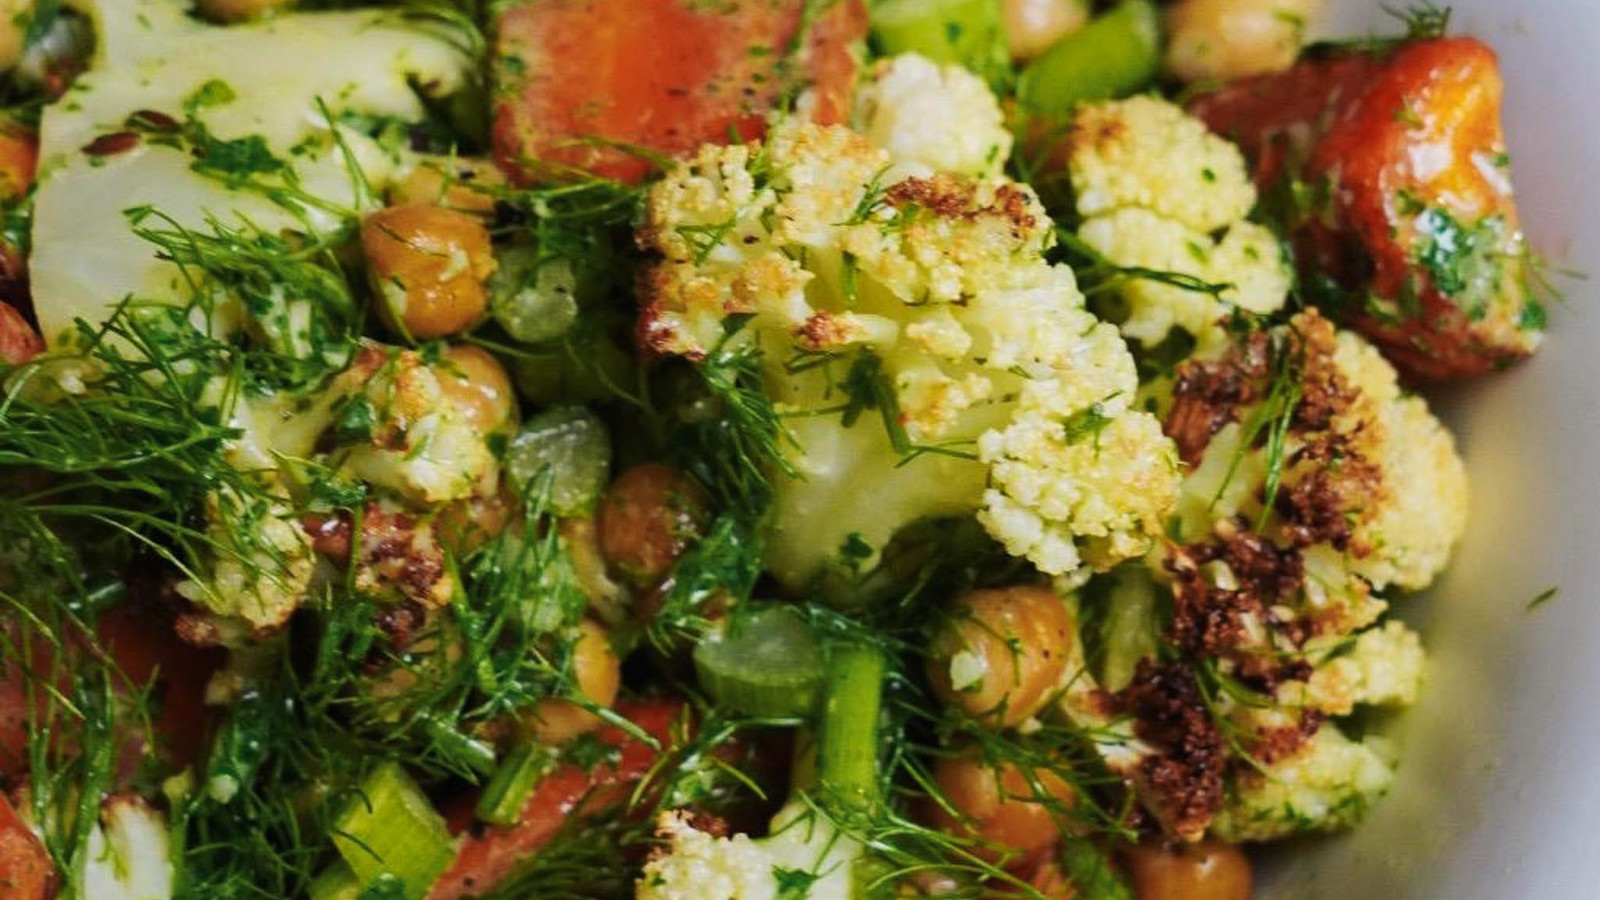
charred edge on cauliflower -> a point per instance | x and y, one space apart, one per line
1268 610
400 555
1181 781
1329 487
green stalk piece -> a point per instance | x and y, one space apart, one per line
968 32
763 662
507 792
1117 54
393 841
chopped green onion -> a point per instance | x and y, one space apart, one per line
391 832
969 32
1113 56
763 662
508 791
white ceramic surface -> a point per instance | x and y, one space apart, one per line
1499 792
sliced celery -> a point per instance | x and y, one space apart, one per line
1130 627
847 737
1115 55
337 882
969 32
763 662
391 833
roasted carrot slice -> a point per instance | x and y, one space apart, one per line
148 654
1388 167
485 858
602 86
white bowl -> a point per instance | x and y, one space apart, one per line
1496 798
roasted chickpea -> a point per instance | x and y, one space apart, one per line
1033 26
1223 40
609 600
477 386
1000 806
1003 653
598 673
647 518
428 264
457 183
228 11
464 525
1051 882
1209 870
18 341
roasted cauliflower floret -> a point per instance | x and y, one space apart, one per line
695 865
1412 535
262 567
933 118
1146 153
928 357
1247 264
1157 191
1303 502
1101 475
1358 470
1383 668
1329 783
394 428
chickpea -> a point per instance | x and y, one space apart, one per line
999 805
647 518
1034 26
598 673
1209 870
19 157
464 525
1223 40
230 11
1003 653
478 387
1051 882
457 183
607 599
18 341
428 264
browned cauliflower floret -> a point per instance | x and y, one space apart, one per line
925 302
1313 486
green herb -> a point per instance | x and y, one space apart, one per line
722 565
213 93
1422 21
1099 275
1463 262
304 316
1544 597
705 239
1088 422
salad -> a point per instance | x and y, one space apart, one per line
724 449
